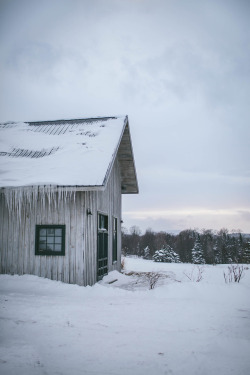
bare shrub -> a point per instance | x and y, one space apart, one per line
151 278
196 275
123 264
234 273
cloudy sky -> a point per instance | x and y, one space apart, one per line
180 69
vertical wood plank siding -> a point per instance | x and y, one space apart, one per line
79 265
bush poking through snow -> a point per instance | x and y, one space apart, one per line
234 274
151 278
123 264
196 275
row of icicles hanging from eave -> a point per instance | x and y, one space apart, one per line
26 198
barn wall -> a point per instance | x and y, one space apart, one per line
110 202
78 266
107 202
17 239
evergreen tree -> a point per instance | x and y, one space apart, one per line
166 255
230 250
147 253
160 256
184 244
227 247
148 239
246 254
197 252
175 257
240 247
207 242
217 253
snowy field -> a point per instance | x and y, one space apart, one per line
123 328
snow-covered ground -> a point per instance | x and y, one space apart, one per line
123 328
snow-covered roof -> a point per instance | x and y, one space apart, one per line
77 153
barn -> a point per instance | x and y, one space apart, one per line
61 197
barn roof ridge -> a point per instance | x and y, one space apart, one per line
73 120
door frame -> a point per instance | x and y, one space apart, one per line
102 244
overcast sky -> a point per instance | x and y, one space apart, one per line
179 69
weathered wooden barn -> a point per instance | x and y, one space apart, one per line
60 197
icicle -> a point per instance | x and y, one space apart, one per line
26 198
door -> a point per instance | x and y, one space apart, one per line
102 246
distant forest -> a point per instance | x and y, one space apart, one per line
189 246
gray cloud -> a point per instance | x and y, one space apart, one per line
180 70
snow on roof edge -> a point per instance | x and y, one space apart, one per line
106 177
64 119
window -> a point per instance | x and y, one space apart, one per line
102 223
50 240
114 243
102 246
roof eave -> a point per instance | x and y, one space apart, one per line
56 188
124 152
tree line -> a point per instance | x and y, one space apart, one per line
188 246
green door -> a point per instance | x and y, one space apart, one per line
102 246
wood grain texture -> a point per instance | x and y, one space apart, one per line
79 265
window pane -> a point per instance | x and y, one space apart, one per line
50 247
50 240
42 240
58 232
58 240
115 224
50 232
42 232
114 239
103 222
42 247
106 222
58 248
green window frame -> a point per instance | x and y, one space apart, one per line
50 240
114 240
